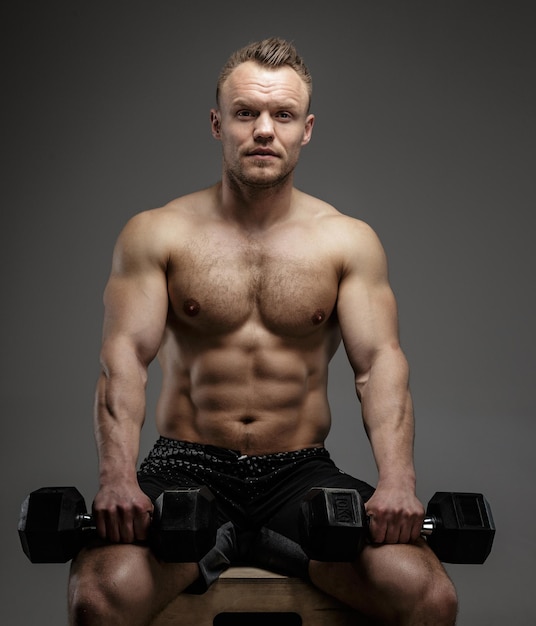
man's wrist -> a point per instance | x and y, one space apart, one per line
117 475
405 481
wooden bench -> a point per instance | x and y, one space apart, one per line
247 595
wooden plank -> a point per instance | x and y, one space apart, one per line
251 572
247 590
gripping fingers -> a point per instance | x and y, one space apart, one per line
141 524
395 526
124 522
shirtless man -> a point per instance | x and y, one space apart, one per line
244 291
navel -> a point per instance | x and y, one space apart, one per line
318 317
191 307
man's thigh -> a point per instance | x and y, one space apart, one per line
127 576
384 581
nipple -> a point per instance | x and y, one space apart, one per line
191 307
318 317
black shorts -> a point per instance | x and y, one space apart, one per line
258 500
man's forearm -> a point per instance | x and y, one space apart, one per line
119 417
388 418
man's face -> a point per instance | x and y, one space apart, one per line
262 122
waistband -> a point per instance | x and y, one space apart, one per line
226 459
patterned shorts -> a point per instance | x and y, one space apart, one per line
258 499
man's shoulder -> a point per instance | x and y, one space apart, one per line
332 221
173 215
157 232
351 243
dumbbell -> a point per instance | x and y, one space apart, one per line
458 527
54 525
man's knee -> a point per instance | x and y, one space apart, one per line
430 596
89 601
86 608
415 583
106 584
93 593
441 600
123 584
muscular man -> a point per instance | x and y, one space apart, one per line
244 291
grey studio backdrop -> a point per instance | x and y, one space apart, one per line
425 129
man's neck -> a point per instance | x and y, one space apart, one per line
256 208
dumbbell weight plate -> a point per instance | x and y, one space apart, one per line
49 528
184 524
464 529
333 524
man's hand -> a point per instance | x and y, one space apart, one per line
122 513
395 515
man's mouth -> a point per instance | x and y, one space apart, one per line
262 152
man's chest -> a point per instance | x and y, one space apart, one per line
222 284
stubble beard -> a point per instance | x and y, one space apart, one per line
239 177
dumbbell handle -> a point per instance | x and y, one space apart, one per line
85 521
428 526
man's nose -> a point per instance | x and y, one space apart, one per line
264 127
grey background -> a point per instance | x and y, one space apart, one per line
425 129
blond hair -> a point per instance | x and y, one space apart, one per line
273 52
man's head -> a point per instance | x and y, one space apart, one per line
262 116
272 53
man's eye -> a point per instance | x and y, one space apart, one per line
284 115
245 114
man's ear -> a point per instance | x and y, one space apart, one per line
215 123
308 130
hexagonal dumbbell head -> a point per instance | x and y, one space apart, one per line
184 525
333 524
49 528
463 527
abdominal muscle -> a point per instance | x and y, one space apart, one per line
256 401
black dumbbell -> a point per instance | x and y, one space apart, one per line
54 525
458 527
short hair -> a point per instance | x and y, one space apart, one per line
274 53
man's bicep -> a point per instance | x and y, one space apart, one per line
135 310
366 304
135 298
368 320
